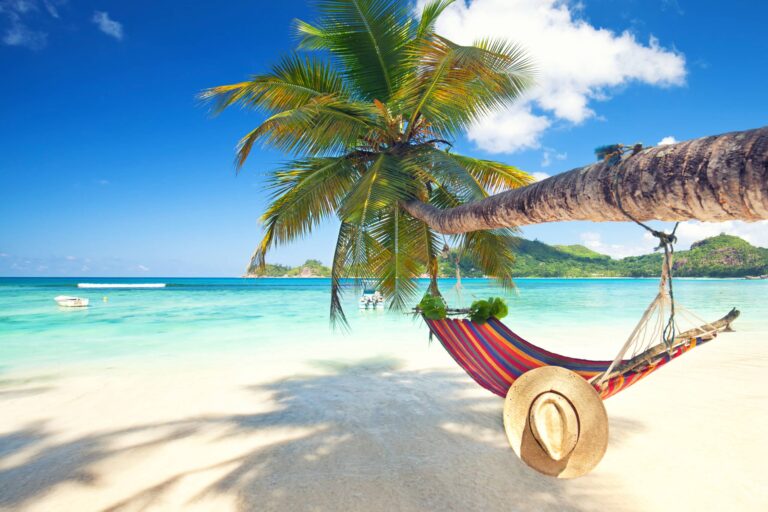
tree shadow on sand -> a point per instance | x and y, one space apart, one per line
373 437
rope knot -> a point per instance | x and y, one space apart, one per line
665 239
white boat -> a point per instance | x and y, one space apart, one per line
371 299
121 285
71 302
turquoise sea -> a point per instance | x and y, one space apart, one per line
201 317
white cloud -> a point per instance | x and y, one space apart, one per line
143 268
18 34
594 241
576 63
755 233
538 176
667 141
19 15
511 130
107 25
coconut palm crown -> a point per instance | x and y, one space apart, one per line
367 108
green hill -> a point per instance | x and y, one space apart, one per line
310 268
581 252
719 256
537 259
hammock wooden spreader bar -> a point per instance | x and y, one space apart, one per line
494 356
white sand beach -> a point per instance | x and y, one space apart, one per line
377 431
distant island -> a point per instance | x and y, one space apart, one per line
310 268
718 256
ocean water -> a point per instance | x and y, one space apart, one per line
200 317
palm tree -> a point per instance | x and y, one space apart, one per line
367 110
714 179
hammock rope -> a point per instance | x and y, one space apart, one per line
641 338
665 296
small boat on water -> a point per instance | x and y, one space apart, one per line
121 285
71 302
371 299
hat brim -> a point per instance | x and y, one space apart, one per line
592 421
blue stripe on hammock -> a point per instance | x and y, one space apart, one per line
545 356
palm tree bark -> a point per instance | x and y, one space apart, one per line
718 178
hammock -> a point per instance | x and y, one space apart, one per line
494 356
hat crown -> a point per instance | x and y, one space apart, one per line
554 424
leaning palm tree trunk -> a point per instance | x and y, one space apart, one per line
718 178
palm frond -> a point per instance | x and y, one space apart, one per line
353 259
368 37
292 83
493 176
431 248
397 263
383 184
454 85
304 193
492 252
324 125
446 171
429 14
338 269
310 37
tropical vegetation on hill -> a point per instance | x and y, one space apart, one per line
310 268
719 256
368 109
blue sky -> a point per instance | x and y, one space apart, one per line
109 166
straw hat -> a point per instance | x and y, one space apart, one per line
556 422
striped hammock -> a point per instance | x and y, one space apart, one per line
494 356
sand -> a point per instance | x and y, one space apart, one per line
371 431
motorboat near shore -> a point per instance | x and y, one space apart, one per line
71 302
120 285
371 299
